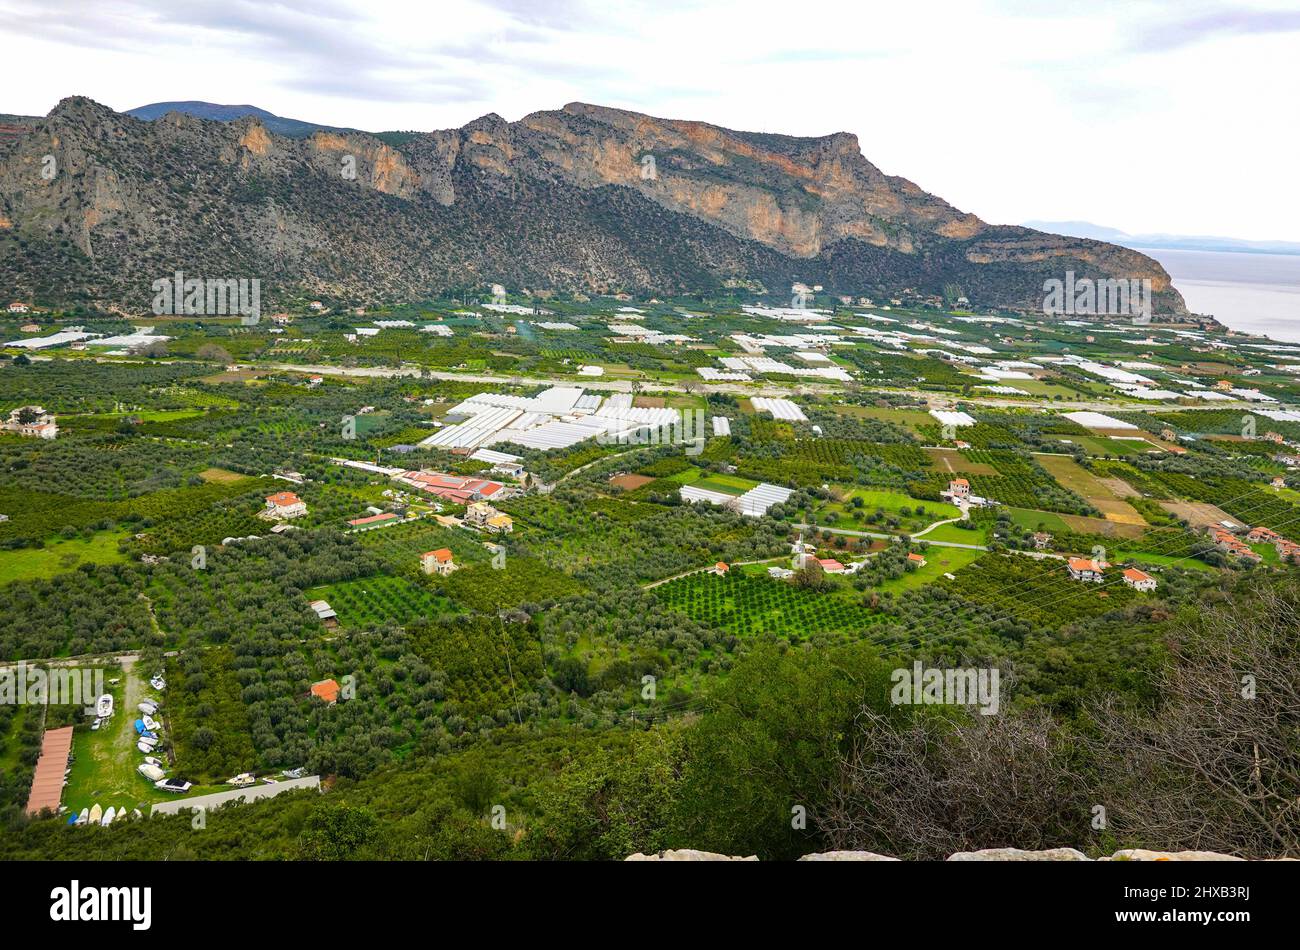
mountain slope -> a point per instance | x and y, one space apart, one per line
584 198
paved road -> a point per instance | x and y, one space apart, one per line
888 537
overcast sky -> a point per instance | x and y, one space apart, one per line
1142 115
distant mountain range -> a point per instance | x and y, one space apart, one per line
290 128
1169 242
581 199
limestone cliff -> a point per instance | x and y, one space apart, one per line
584 198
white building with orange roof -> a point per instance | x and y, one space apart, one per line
1086 569
1139 580
284 505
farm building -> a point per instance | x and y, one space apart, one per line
325 613
47 780
374 521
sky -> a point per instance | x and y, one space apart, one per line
1144 115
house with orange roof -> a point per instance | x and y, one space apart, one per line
1139 580
440 562
1086 569
830 565
284 505
916 559
959 488
720 569
327 691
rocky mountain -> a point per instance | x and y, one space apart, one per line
585 198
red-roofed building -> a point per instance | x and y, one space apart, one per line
284 505
458 488
916 559
830 565
959 487
327 691
372 520
440 562
1086 569
47 780
1139 580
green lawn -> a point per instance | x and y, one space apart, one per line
938 561
956 534
59 555
840 514
105 760
1166 560
1031 519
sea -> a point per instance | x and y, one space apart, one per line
1252 293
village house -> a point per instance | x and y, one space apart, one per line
1274 437
284 505
1139 580
327 691
19 307
316 305
32 421
916 559
30 328
1086 569
500 523
830 565
1232 545
482 515
1278 482
720 569
959 488
1042 540
438 562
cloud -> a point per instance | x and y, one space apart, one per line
1117 111
1216 25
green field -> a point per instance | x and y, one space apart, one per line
381 599
938 561
59 555
839 514
746 604
1037 520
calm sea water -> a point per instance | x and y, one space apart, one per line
1254 293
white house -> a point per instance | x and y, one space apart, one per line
284 505
32 421
1086 569
19 307
1139 580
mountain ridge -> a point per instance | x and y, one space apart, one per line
584 198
